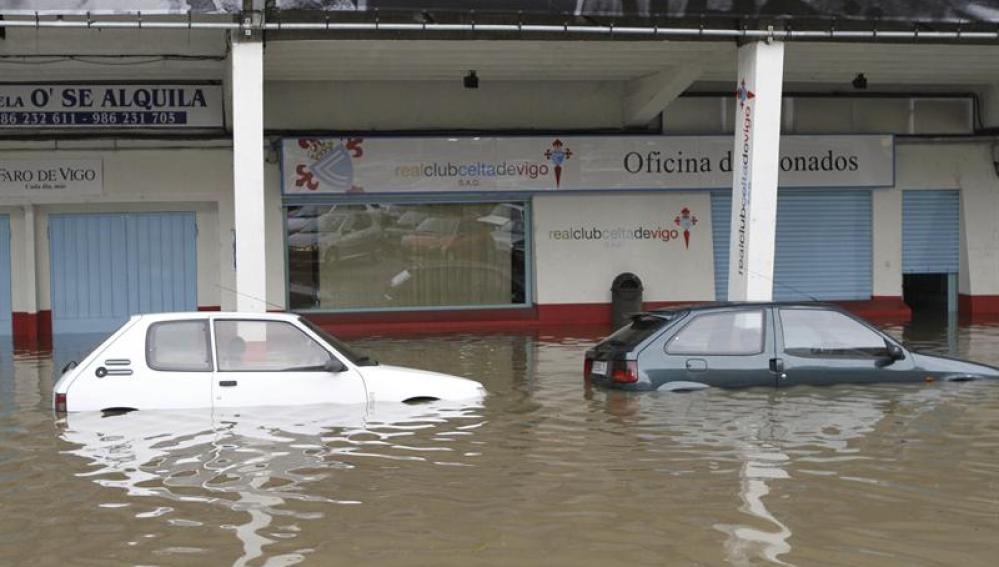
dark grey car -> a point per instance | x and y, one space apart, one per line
731 345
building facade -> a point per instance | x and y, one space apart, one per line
394 196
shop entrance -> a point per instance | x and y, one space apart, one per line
5 271
107 267
931 222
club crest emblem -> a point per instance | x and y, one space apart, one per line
686 221
557 154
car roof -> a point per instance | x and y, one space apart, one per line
189 315
730 304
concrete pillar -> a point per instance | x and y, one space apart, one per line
755 167
32 328
29 275
248 172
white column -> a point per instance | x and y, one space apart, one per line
755 167
29 275
248 173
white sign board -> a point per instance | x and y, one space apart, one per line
45 178
93 106
581 244
475 164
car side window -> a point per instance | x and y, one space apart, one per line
726 333
179 346
822 333
266 346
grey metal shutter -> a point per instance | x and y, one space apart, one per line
823 247
931 228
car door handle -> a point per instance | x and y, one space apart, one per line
777 367
227 383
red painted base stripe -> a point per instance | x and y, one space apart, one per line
588 318
978 308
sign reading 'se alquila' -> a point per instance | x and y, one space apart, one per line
47 178
401 165
72 106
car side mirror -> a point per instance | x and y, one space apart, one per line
334 366
895 352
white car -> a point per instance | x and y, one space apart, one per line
219 360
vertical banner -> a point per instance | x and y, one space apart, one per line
755 167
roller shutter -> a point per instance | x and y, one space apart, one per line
823 247
931 224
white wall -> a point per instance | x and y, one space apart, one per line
581 271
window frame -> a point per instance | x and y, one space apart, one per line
763 333
208 343
521 198
215 352
839 355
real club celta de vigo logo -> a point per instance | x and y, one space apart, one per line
557 154
686 221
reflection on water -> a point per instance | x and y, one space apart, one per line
255 462
546 472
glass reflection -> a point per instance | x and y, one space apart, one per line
413 255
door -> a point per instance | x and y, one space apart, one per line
822 248
107 267
826 346
726 349
264 363
5 272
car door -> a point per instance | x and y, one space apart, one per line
275 362
820 345
727 348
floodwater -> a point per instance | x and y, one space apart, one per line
547 472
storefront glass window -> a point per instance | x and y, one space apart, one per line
406 255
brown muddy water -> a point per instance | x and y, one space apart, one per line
545 473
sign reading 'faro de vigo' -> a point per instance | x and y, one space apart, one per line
483 164
72 106
49 178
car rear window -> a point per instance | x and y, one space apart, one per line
641 327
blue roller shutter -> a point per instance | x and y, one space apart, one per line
823 247
931 225
5 271
107 267
721 218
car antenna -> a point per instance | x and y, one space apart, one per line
264 301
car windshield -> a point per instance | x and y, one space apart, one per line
353 355
642 326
